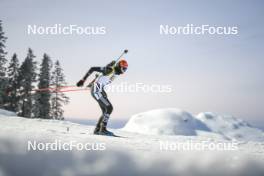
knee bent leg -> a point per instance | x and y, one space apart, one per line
109 109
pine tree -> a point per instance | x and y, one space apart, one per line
13 84
3 79
42 99
58 98
27 78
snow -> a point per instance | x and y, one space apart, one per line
231 127
174 121
131 154
4 113
164 122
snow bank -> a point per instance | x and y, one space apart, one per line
132 154
116 162
169 121
177 122
231 127
4 113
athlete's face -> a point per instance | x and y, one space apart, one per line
119 70
123 69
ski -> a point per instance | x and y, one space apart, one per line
110 135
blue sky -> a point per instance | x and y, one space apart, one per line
222 74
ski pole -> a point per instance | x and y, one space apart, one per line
124 52
72 90
53 88
99 75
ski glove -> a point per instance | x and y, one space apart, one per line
80 83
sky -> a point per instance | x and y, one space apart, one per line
218 73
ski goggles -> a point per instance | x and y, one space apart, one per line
123 69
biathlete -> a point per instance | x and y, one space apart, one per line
108 74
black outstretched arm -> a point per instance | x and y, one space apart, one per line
104 70
91 70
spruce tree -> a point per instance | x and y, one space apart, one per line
58 99
13 84
27 78
42 99
3 79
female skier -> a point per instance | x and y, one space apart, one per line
108 73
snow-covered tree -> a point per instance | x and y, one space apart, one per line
3 78
27 78
58 99
13 84
42 98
